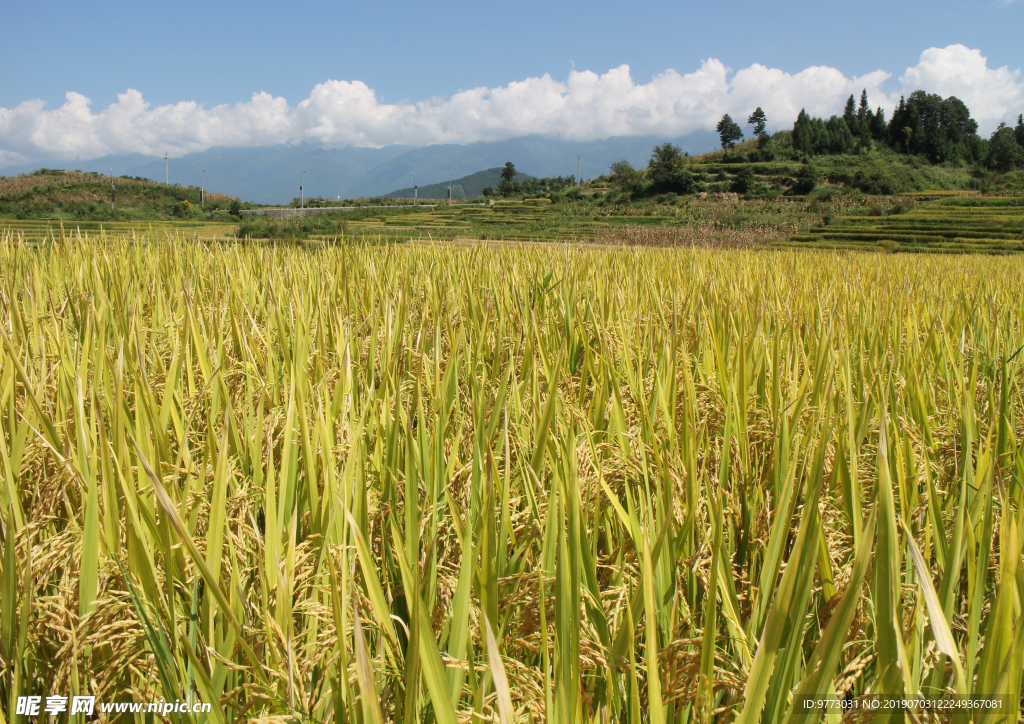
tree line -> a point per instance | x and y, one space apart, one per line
510 186
923 124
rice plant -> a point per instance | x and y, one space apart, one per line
440 483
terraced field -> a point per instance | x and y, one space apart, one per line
950 225
936 223
32 229
539 220
529 220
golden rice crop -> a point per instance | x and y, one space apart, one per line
701 235
464 483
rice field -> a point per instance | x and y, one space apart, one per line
45 229
465 483
701 223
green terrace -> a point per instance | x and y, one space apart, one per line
526 220
986 225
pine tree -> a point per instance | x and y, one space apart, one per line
760 123
728 131
878 127
897 124
850 113
864 110
810 137
840 139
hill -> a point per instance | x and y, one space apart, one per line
467 187
77 195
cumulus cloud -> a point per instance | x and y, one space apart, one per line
992 94
586 106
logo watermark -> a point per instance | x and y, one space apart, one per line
54 705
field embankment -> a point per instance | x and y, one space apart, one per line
991 225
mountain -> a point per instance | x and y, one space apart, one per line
467 187
265 174
535 155
271 174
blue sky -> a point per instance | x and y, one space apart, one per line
222 53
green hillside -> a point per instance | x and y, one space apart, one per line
955 224
77 196
467 187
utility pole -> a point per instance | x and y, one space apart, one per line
579 179
167 172
111 187
450 189
302 199
202 190
415 190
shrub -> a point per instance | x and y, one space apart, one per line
624 176
743 182
666 169
806 180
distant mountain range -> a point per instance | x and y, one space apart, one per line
271 174
467 187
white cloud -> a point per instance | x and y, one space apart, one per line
992 94
585 106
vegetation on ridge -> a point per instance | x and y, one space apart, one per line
79 196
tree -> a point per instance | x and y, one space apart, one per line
624 175
1019 130
806 180
728 131
878 127
863 110
760 123
666 169
813 136
1004 153
809 135
508 186
743 183
940 129
850 112
839 138
862 122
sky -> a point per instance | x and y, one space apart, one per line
78 80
